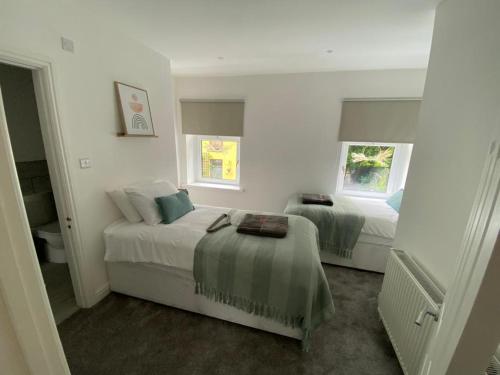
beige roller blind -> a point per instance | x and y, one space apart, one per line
217 117
392 121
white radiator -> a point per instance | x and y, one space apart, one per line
409 306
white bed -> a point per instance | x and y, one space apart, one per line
156 263
375 242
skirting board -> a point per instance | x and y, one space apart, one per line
101 292
175 287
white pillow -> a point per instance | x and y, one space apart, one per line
143 199
121 200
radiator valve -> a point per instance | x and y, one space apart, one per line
424 313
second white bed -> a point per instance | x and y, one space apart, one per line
377 235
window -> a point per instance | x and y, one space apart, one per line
373 169
217 160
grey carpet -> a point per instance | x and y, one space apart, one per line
128 336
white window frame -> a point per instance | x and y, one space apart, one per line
197 162
397 176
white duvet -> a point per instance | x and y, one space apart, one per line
166 244
380 218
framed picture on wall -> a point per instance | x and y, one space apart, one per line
134 110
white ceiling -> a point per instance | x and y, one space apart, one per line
230 37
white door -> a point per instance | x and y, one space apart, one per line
480 259
21 280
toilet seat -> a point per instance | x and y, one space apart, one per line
54 244
50 232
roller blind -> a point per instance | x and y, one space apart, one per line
218 117
391 121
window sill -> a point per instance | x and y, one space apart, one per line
381 196
208 185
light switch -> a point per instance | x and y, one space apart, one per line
85 163
67 45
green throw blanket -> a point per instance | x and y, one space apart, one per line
277 278
339 226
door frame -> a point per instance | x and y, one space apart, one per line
22 286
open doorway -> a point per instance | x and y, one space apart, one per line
32 168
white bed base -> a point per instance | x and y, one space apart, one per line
175 287
368 256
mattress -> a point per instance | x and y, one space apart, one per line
380 220
165 244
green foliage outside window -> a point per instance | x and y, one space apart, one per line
368 168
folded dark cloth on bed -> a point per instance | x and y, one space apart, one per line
323 199
264 225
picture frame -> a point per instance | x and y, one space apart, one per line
135 111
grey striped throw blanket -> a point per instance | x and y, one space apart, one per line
278 278
339 226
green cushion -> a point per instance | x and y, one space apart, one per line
395 200
174 206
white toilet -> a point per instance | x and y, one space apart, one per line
42 216
54 244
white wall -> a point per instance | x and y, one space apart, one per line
291 129
22 113
12 361
460 110
88 111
